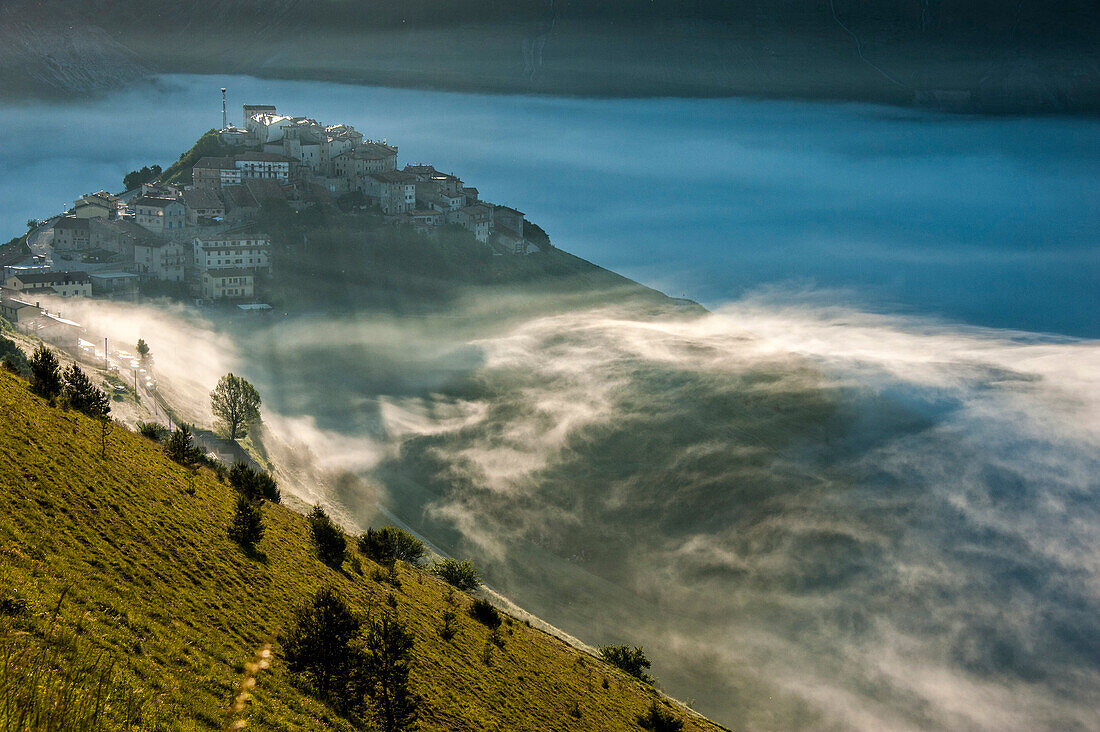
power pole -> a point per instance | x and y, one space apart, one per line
106 363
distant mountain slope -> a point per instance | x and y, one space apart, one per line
969 55
115 563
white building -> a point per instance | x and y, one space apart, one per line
164 260
228 283
246 251
159 215
264 166
65 284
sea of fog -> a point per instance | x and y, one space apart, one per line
986 221
861 493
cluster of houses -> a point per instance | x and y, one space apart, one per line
202 235
299 152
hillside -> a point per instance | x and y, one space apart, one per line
117 564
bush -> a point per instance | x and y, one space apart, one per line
388 544
153 431
483 612
247 525
81 394
45 373
659 719
458 574
630 660
255 484
329 540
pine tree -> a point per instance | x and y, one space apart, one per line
81 394
328 538
45 373
389 648
247 525
180 449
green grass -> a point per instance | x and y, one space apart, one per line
120 587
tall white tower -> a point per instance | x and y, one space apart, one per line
225 120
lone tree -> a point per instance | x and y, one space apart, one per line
328 538
631 660
461 575
247 525
388 544
236 403
142 349
389 647
45 373
80 394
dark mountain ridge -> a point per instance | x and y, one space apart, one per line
973 55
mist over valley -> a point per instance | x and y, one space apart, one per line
858 491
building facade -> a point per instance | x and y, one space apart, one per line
232 284
250 253
159 215
65 284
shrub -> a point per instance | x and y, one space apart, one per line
483 612
388 544
153 431
12 358
247 525
45 373
458 574
254 483
81 394
659 719
630 660
329 540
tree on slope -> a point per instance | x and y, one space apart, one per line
389 648
236 403
81 394
45 373
327 537
247 525
180 449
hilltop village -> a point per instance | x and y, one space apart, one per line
201 239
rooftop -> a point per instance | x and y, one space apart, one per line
71 222
215 163
64 277
394 176
154 202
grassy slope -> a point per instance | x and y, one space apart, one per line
154 581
